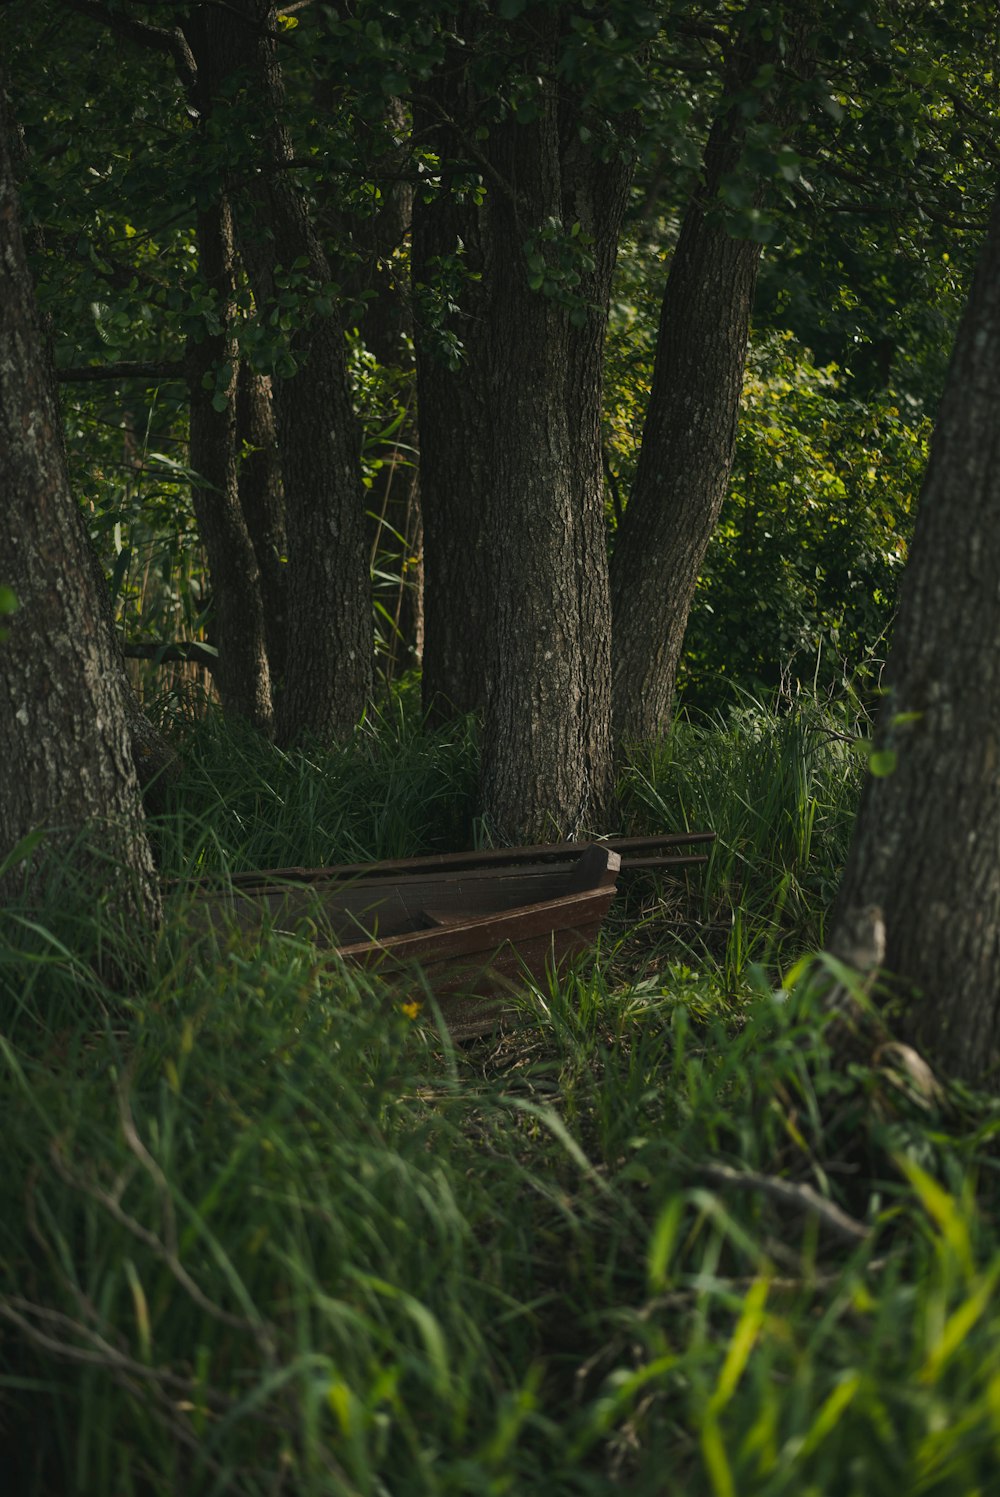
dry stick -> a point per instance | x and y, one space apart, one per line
85 1305
801 1197
187 652
166 1252
126 1370
397 615
149 1239
17 1310
148 369
259 1329
103 1353
785 1284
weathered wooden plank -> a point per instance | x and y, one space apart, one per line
487 926
485 861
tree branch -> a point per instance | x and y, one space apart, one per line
183 650
801 1197
477 155
85 374
155 38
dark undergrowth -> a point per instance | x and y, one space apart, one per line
262 1233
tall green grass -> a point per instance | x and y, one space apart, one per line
393 790
262 1233
779 788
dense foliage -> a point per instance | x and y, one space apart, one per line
856 309
265 1227
260 1227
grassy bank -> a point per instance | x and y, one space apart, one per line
261 1233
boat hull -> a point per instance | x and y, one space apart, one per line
459 934
468 928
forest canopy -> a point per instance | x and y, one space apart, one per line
317 240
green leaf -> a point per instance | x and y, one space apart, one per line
883 763
120 569
22 850
8 605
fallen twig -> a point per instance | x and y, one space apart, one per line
801 1197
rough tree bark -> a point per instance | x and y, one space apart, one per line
517 608
262 500
546 755
64 739
453 409
155 761
926 847
242 675
690 431
328 670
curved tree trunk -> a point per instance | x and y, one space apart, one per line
690 432
64 739
687 450
926 846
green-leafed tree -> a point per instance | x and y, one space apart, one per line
327 680
840 140
690 431
258 284
219 171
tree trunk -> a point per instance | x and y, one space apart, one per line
690 432
64 739
546 756
517 605
926 846
156 764
262 501
242 676
453 411
155 761
328 670
386 323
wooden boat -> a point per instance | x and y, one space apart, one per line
475 924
